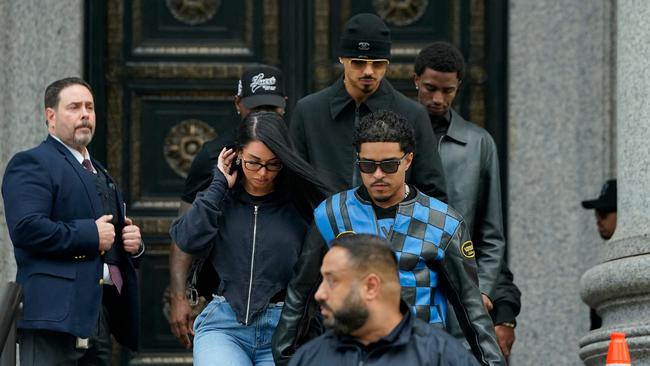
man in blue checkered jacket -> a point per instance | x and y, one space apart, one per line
430 239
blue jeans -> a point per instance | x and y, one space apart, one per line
221 340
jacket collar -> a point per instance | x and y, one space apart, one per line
363 196
457 131
381 98
85 178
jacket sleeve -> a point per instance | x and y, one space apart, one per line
297 132
195 231
30 203
199 176
490 241
426 172
461 284
507 298
295 313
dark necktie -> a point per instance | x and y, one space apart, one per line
87 165
113 270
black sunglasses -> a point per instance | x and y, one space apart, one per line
387 166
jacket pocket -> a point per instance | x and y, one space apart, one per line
48 296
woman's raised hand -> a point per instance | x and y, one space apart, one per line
225 162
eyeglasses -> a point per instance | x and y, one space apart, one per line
255 166
361 63
387 166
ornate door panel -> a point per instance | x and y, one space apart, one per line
164 73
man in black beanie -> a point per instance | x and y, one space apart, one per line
323 123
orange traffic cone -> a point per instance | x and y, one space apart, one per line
618 353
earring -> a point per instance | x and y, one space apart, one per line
237 161
417 88
238 112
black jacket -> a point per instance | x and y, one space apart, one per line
470 162
507 298
412 342
245 237
322 129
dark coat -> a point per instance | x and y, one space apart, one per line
322 129
51 204
412 342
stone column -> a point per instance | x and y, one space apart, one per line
40 41
619 288
559 153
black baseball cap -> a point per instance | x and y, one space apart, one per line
262 85
606 201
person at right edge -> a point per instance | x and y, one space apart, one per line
322 124
471 166
430 239
605 210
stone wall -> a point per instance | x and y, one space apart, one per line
40 41
561 139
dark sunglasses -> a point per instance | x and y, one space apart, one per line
255 166
361 63
387 166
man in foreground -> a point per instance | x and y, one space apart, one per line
368 322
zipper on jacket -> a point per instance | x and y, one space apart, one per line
250 280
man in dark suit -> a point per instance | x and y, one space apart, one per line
74 246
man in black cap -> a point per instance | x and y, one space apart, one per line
605 210
261 87
323 123
605 206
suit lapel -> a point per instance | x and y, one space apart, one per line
85 178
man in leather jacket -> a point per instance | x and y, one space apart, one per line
430 239
368 322
471 167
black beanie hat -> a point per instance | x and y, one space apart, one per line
365 35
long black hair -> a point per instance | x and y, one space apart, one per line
297 178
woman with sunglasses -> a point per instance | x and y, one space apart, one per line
250 223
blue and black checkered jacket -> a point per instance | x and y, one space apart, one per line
416 234
436 260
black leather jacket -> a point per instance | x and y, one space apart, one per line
457 276
471 166
412 342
